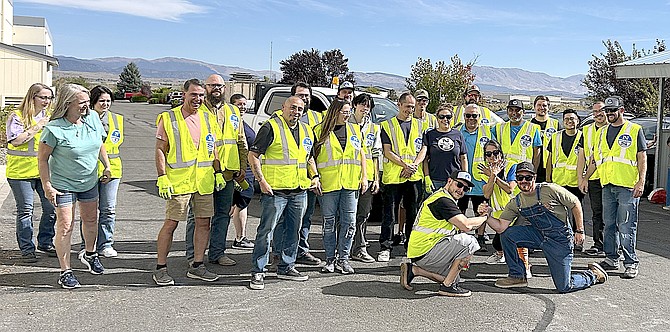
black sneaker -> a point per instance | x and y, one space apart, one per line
482 244
92 262
67 280
257 281
292 274
578 248
307 259
398 239
605 264
454 290
49 250
243 244
29 257
595 252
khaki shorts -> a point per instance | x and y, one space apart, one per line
177 206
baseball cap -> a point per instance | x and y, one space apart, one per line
463 176
472 88
346 85
614 102
525 166
421 93
515 103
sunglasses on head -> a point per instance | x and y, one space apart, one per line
468 116
525 177
444 116
492 153
465 187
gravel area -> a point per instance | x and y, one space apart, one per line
3 156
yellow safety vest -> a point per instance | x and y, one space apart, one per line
369 136
428 122
591 133
284 164
618 165
112 142
340 169
499 198
229 119
22 159
522 147
550 129
564 168
314 118
406 150
189 169
459 117
428 230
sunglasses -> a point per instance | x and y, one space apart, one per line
444 116
465 187
468 116
492 153
611 110
216 86
525 177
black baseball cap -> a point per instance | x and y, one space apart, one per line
525 166
515 103
463 176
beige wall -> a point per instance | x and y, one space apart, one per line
6 21
19 72
38 36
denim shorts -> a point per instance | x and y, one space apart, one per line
69 197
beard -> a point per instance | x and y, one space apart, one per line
214 100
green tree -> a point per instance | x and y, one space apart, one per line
393 95
639 94
130 79
315 68
372 89
444 82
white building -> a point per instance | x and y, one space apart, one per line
26 54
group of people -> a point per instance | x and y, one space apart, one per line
525 179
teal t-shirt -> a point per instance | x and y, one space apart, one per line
74 161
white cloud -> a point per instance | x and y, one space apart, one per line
165 10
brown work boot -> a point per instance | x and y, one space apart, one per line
511 282
601 274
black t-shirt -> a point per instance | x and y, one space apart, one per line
340 132
266 135
444 152
541 171
444 208
405 126
566 143
613 132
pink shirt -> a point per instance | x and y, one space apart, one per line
192 122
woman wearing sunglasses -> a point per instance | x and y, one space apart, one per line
445 151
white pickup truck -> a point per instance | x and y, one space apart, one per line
270 97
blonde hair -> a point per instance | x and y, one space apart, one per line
27 105
66 95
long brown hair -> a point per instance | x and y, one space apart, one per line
27 105
328 123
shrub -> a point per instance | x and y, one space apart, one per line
138 99
160 97
4 113
176 102
153 101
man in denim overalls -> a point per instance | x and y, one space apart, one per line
546 206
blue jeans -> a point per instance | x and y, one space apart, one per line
620 217
223 200
292 208
107 213
554 237
339 235
23 191
303 245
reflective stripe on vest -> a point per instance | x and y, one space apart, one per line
564 168
590 137
483 136
515 151
407 150
340 168
22 159
112 142
618 165
284 163
180 163
427 230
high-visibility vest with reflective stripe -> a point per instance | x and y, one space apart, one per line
189 169
22 159
284 163
406 150
112 142
483 136
369 136
459 116
591 133
428 122
340 169
550 129
499 198
564 168
427 229
618 165
314 118
229 155
522 147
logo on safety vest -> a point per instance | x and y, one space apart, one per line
576 150
625 141
525 141
550 131
445 144
210 142
235 121
485 121
483 141
307 144
355 142
115 136
418 142
369 139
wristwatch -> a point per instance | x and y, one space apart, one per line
315 176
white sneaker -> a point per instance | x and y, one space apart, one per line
384 256
528 273
109 252
495 258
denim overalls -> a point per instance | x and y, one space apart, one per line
554 237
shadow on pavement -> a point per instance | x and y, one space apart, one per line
148 186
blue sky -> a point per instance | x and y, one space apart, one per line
556 37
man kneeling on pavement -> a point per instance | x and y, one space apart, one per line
439 248
546 207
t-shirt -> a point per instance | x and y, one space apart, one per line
511 174
405 126
266 135
514 130
471 143
613 132
250 135
74 161
566 143
16 128
444 208
192 123
340 132
444 152
560 200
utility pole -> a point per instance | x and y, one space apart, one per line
272 78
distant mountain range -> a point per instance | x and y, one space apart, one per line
490 79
